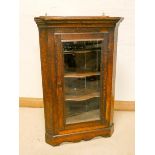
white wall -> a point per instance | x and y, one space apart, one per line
30 70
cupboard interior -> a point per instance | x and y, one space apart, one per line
82 63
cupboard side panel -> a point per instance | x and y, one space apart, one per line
113 38
43 39
110 75
52 63
46 58
60 83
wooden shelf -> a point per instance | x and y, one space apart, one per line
80 74
86 116
77 52
82 97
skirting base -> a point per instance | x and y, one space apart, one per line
76 137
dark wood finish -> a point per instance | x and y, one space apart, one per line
85 74
53 30
86 96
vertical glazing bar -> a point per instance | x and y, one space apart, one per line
85 65
97 64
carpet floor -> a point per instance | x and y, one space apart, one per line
32 137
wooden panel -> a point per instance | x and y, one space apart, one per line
60 83
38 103
78 136
79 18
124 105
82 97
81 36
81 21
31 102
80 75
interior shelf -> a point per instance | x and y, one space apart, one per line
83 40
81 95
78 52
80 74
85 116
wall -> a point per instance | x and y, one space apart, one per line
30 70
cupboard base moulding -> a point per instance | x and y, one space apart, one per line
78 136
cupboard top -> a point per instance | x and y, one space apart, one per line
50 20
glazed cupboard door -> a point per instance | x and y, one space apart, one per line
81 76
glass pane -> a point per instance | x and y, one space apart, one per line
82 80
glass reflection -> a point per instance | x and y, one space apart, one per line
82 80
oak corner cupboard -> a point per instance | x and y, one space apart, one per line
78 59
